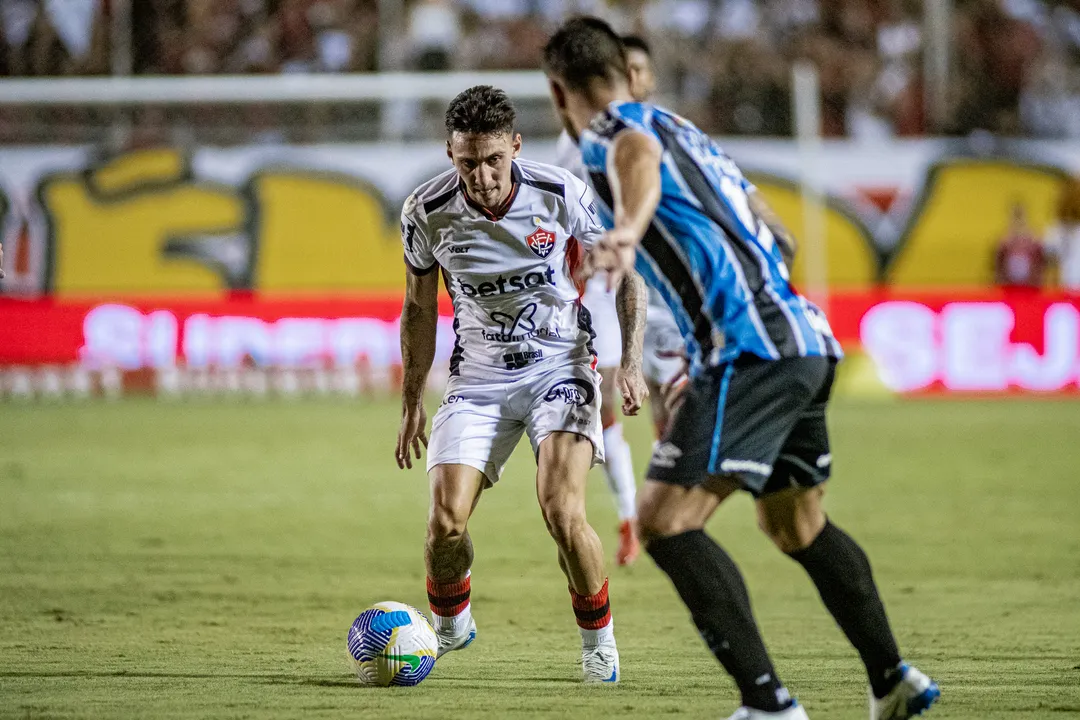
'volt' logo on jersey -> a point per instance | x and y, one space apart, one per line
541 242
574 391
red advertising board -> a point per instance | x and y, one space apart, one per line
988 343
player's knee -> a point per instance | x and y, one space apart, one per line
446 525
790 533
564 521
655 522
784 535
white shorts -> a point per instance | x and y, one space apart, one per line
479 422
605 321
661 336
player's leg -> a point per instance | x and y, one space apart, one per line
618 459
448 552
472 435
618 468
657 408
661 362
790 513
683 490
564 428
708 581
563 463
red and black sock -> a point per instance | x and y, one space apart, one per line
593 612
450 599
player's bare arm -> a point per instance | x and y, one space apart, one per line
631 304
1 261
634 173
784 239
419 321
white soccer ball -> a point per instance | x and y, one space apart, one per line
392 643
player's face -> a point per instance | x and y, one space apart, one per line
642 76
483 163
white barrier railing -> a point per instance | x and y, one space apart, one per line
241 89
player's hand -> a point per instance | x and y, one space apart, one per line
632 386
411 435
615 253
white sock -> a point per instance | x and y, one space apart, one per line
455 625
619 468
592 638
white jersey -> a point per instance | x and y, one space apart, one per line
511 276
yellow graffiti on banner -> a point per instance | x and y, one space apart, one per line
963 214
141 225
109 227
322 232
852 262
140 171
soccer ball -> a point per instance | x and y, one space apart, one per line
392 643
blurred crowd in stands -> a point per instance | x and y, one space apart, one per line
1014 65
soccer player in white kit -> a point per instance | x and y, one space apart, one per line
663 341
507 236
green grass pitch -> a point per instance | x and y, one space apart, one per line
205 559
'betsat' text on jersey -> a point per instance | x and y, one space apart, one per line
516 303
715 263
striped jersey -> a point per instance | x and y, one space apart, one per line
511 273
715 263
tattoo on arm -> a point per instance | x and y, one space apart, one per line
784 239
630 304
419 319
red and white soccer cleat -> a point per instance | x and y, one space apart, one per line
629 547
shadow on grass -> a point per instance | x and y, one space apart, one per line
463 683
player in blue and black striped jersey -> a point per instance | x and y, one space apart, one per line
762 362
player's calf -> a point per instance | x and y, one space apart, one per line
562 467
448 554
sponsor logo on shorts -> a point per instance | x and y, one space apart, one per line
451 399
753 466
508 285
572 391
518 360
824 460
458 249
666 454
541 242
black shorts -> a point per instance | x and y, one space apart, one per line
761 422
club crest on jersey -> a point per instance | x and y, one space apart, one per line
541 242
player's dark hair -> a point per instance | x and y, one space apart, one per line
482 109
585 49
636 42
